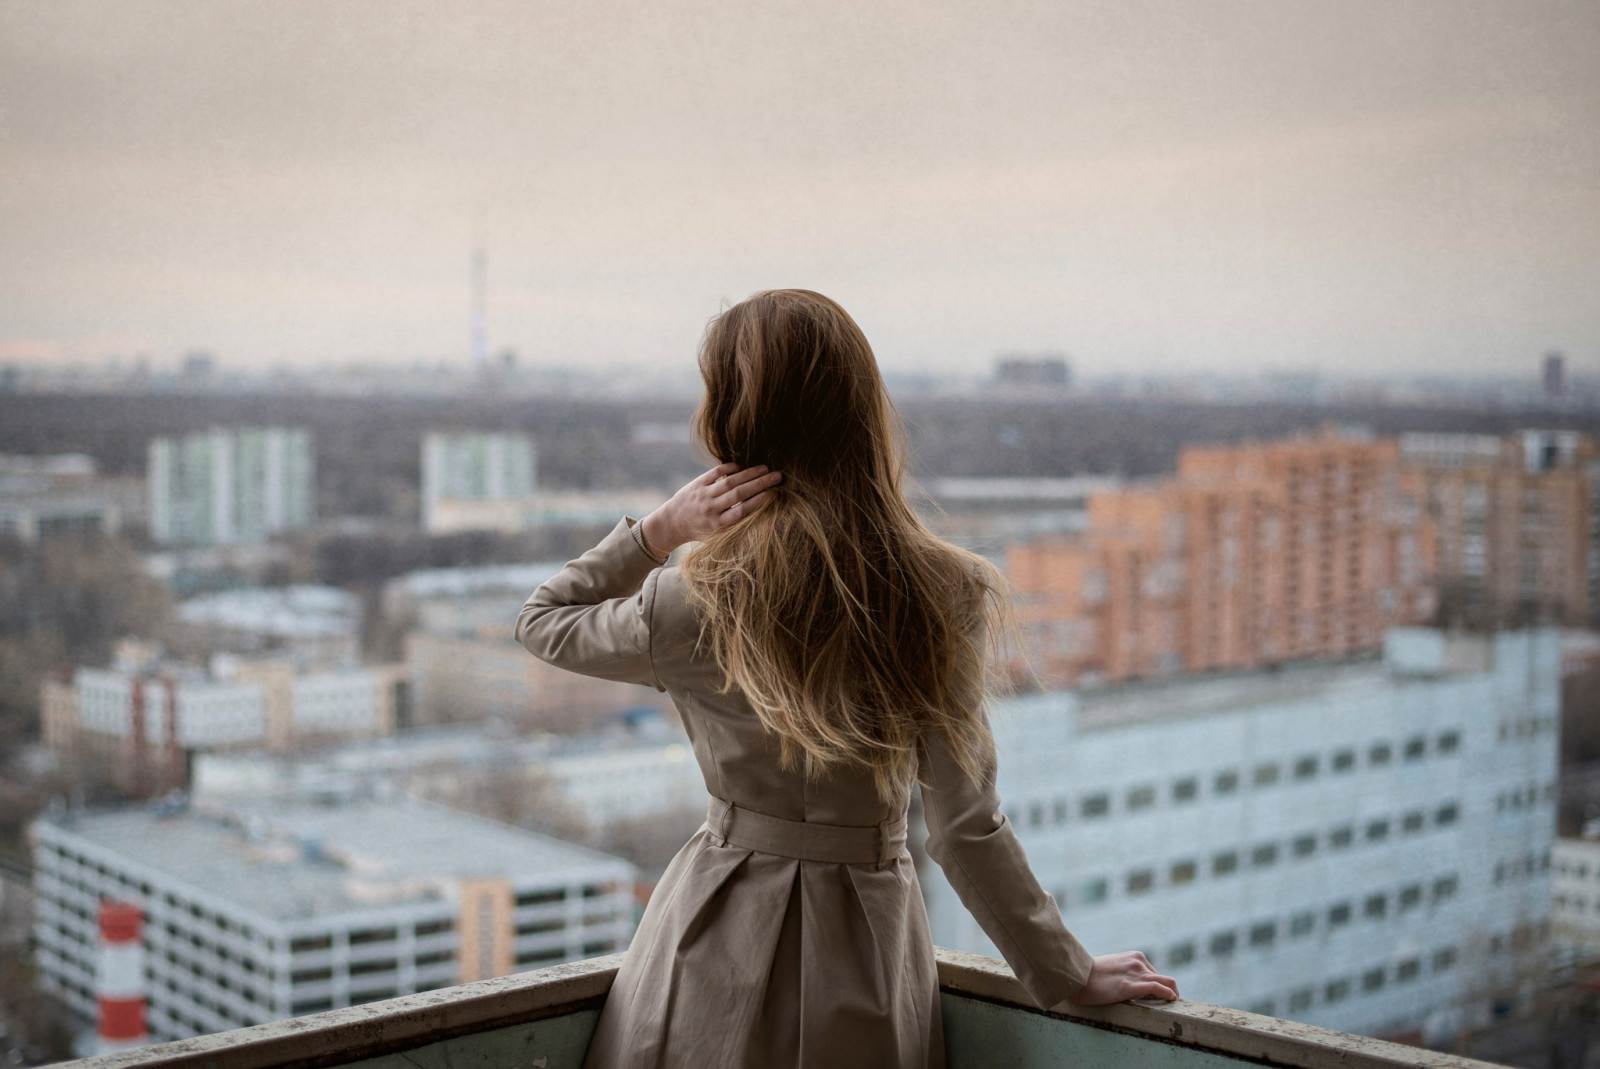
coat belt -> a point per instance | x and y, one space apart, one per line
874 844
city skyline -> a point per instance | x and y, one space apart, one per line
1360 190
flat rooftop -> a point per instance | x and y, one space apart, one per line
290 862
1184 696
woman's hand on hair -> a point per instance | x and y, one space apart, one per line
711 501
1119 977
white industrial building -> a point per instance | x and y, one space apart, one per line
1363 846
257 914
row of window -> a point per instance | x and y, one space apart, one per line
1524 797
1225 863
1229 781
1263 935
1370 982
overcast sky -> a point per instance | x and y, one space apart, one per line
1362 186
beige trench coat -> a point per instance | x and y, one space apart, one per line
790 930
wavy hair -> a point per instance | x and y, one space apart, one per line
850 628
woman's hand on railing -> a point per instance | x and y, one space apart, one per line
711 501
1119 977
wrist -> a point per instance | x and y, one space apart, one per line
657 535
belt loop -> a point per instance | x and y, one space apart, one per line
884 849
721 818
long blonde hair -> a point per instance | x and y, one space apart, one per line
848 626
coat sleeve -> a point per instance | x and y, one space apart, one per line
594 616
974 844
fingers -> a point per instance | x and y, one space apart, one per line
747 484
720 471
1155 990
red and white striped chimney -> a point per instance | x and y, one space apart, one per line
120 980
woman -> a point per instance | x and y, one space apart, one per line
824 650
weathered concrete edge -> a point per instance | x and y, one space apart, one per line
1197 1024
374 1028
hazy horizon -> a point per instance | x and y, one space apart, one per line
1156 188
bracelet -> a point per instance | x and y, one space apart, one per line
636 529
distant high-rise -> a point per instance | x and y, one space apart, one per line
226 486
1554 375
474 467
1033 371
480 303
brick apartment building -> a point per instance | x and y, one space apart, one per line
1516 521
1252 555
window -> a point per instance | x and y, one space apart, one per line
544 897
1182 872
1407 970
1447 814
435 957
1341 837
1444 958
367 968
315 1005
1380 754
1180 954
1339 914
1372 980
1058 811
1223 943
1376 907
1035 814
1095 805
1142 797
1266 1007
1305 767
1185 790
426 928
1226 782
371 935
1224 863
1093 891
1303 845
1264 855
1336 991
1264 775
1300 1000
374 995
310 943
1301 925
1141 881
1416 748
1412 823
310 976
1343 760
1444 887
1263 935
547 924
1449 742
1377 831
1410 896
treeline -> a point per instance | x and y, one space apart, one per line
368 451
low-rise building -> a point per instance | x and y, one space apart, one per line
1575 895
61 494
142 720
259 913
1363 845
307 624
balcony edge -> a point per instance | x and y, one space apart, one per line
1200 1025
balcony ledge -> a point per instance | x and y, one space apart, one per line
989 1020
